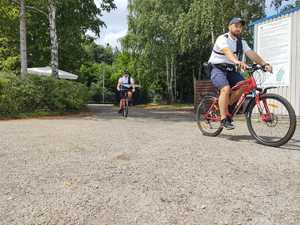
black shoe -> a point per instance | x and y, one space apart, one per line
227 124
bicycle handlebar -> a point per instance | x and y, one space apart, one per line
126 85
256 67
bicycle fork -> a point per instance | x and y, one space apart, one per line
265 117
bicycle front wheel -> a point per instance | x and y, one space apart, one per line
125 110
208 116
273 121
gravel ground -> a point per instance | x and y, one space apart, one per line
153 168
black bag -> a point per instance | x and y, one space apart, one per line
206 70
225 67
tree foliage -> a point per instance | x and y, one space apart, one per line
166 44
168 40
74 19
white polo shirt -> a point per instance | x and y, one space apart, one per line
225 41
125 80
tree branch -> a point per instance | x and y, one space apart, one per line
15 1
37 10
31 8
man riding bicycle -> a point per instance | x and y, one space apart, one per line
226 56
125 84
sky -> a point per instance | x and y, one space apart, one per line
116 22
270 12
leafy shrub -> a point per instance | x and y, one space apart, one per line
36 94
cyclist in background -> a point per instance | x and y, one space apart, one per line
127 82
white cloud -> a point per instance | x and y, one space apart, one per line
112 37
116 22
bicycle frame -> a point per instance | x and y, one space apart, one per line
258 112
247 86
124 99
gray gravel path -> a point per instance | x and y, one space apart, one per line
154 168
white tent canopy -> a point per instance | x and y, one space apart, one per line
46 71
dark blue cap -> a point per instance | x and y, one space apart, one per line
237 20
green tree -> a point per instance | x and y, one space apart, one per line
9 41
276 4
169 40
99 79
9 58
290 6
153 40
74 19
97 53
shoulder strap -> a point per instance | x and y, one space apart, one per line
221 53
129 79
239 49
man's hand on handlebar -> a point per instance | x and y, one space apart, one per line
242 65
268 68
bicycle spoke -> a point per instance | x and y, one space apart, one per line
273 122
208 116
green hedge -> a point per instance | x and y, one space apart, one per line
40 94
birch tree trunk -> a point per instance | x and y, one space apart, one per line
171 84
212 29
167 73
174 79
175 82
195 88
212 35
171 81
53 37
23 40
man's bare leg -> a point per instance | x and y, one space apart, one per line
129 95
235 96
224 101
121 103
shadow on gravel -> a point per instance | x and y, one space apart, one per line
237 138
293 144
108 112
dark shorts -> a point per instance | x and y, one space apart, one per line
123 92
222 78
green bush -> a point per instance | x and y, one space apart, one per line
96 93
11 63
40 94
9 56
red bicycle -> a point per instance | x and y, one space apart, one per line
124 99
271 119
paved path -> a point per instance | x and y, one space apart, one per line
152 168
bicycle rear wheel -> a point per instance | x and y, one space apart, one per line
208 116
275 123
